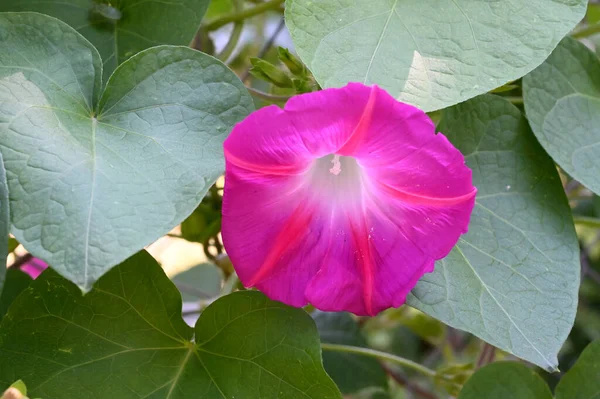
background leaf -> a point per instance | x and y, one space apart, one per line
513 279
562 101
126 339
428 53
119 29
202 281
581 382
116 176
504 380
351 373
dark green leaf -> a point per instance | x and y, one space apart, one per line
504 380
581 382
126 339
119 29
562 101
200 282
124 166
429 53
16 282
352 373
513 279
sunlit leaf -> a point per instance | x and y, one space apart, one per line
428 53
94 176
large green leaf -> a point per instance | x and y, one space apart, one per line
4 223
505 380
513 279
125 27
16 281
428 53
562 101
581 382
351 373
126 339
95 177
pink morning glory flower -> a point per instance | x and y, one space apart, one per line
34 267
343 199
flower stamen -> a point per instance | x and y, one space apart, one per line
337 166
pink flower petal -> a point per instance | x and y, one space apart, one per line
34 267
344 199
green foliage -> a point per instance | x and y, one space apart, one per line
428 53
562 100
581 382
126 339
107 143
202 281
4 224
351 373
16 281
120 29
512 280
504 380
136 157
270 73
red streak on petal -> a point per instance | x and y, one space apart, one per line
360 236
293 230
278 170
416 199
350 146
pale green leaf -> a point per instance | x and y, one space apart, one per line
352 373
513 279
562 101
581 382
505 380
429 53
119 29
126 339
202 281
95 177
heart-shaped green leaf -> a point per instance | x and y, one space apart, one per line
581 382
93 177
562 101
351 373
126 339
121 28
513 279
505 380
429 53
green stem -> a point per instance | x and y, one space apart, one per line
267 96
234 39
587 221
587 31
515 100
244 14
379 355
